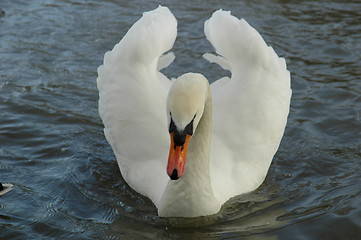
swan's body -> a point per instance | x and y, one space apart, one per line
5 188
232 127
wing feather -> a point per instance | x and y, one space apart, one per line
250 109
132 101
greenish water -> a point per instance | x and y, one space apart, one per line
66 180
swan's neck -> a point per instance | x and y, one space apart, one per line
192 195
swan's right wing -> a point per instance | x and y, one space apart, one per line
132 101
250 108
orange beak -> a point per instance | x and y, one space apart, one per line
177 158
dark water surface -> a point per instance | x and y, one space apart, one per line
66 180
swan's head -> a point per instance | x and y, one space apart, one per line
185 105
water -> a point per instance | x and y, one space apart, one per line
66 180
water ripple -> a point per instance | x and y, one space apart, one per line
68 184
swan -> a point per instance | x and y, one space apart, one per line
186 144
5 188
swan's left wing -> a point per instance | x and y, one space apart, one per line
133 101
250 109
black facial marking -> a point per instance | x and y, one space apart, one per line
189 128
180 136
172 126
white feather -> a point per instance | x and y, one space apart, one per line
250 109
133 101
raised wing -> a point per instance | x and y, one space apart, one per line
133 101
250 108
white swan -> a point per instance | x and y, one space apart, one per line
5 188
212 156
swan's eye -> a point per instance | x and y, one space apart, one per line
180 136
172 126
189 128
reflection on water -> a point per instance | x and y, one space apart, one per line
66 181
246 216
